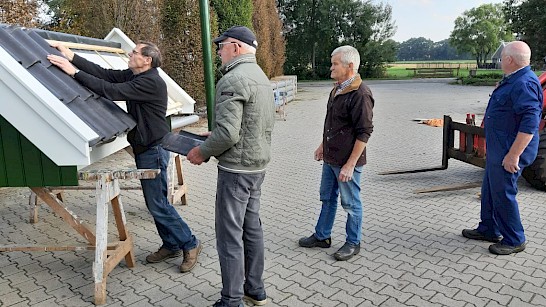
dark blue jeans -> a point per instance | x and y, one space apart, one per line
172 229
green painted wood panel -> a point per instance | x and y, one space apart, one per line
23 165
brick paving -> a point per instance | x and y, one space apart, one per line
412 251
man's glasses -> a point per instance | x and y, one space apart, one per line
134 52
221 45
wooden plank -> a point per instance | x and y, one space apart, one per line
80 46
36 248
121 224
125 248
84 188
182 188
101 229
120 174
454 187
34 206
52 201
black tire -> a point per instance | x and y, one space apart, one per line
535 173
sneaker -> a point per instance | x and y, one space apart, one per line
257 300
501 249
347 251
190 258
474 234
312 241
220 303
162 254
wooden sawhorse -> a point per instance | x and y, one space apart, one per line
107 255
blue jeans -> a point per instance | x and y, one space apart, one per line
330 188
174 232
239 235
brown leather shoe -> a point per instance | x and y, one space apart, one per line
162 254
190 258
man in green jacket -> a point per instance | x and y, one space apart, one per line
241 141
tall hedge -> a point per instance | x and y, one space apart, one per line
136 18
233 13
271 45
181 45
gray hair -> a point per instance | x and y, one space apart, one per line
519 51
349 54
151 50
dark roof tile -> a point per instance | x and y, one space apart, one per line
28 47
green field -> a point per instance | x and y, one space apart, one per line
407 69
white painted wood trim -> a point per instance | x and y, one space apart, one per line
42 118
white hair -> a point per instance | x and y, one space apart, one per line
349 54
247 47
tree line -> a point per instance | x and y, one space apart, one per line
424 49
296 36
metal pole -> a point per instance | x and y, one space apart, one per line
207 60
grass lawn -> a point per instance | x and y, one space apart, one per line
405 70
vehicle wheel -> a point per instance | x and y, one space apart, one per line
535 173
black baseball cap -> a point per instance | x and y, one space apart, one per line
241 33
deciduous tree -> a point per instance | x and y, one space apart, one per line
528 20
19 12
313 28
479 31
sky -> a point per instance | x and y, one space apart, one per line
432 19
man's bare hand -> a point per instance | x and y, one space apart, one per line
510 163
69 54
319 153
346 173
195 156
62 63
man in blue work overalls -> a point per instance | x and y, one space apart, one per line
511 123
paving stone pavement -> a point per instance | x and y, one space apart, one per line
412 251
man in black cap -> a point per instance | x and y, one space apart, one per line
241 141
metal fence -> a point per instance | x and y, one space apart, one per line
284 89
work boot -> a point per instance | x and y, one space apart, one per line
312 241
162 254
256 300
501 249
347 251
190 258
474 234
220 303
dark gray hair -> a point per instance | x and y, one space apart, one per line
151 50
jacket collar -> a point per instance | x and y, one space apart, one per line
516 74
243 58
352 87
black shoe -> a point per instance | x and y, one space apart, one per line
474 234
220 303
312 241
347 251
257 300
501 249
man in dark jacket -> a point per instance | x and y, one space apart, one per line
241 140
347 128
145 93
